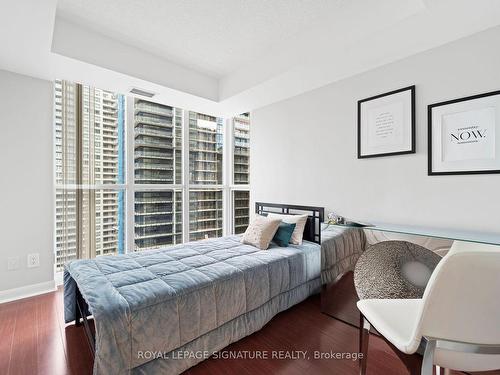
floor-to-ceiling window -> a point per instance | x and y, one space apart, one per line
157 181
89 174
241 172
132 174
206 144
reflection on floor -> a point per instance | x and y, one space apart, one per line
35 340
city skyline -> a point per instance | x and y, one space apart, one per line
90 129
157 160
89 150
241 160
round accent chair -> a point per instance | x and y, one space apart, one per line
394 269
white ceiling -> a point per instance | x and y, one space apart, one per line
226 56
212 37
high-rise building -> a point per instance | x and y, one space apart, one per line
205 170
90 159
241 149
241 215
241 172
65 170
89 153
157 160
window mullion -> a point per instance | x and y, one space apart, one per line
239 187
145 211
227 162
129 176
185 176
145 187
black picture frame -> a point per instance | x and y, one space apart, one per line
430 107
412 150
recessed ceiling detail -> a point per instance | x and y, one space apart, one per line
226 56
211 37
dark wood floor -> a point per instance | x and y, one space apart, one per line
35 340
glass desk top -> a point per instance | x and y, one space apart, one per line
451 234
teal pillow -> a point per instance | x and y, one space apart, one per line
283 234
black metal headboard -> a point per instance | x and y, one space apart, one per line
312 231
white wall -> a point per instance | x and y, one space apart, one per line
26 190
304 148
84 45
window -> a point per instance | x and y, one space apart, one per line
241 173
157 170
134 175
89 157
205 149
241 150
205 169
158 143
241 210
157 218
205 213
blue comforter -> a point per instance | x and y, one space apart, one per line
160 300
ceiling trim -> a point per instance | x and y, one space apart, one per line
73 41
37 43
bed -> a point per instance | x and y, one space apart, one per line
163 311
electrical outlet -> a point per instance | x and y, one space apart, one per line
12 263
33 260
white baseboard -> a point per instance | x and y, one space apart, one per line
27 291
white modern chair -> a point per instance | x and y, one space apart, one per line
457 319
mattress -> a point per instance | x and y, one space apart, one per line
161 300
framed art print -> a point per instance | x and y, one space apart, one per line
464 135
386 124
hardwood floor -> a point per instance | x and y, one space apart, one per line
339 300
35 340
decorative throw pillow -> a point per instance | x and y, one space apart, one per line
284 234
298 220
260 232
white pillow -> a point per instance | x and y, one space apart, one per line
261 231
298 220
